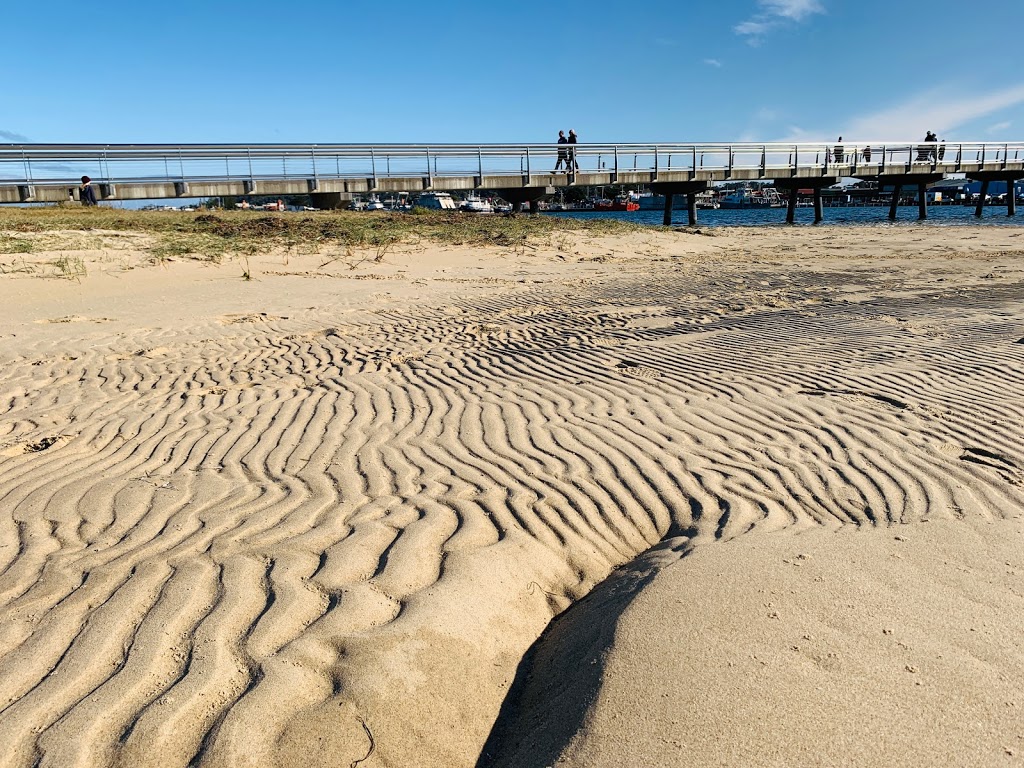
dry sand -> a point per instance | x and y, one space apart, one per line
325 516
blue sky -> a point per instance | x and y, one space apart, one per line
484 71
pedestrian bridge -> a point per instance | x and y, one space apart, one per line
519 173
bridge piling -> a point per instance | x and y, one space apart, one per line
922 201
896 190
818 215
791 205
981 199
671 188
1011 199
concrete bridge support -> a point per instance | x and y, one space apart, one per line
919 180
531 195
1011 193
896 192
792 186
688 188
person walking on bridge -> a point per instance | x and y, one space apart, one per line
572 165
563 155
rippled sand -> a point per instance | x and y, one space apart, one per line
324 517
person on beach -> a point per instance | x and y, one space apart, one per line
572 165
563 155
86 193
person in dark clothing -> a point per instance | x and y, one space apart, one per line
837 152
86 193
924 151
563 155
867 154
932 139
942 150
572 165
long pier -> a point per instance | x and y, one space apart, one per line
520 173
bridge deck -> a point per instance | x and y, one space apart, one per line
51 173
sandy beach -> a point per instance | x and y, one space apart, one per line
732 497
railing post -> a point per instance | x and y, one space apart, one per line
312 153
655 162
959 155
1006 154
248 154
729 172
181 164
373 168
528 174
480 163
615 175
983 147
694 158
882 167
796 158
764 153
430 177
28 166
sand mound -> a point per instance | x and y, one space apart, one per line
290 521
878 647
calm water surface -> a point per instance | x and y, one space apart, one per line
945 215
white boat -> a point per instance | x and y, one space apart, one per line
374 204
436 201
476 204
752 197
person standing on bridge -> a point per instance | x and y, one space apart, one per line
572 165
838 151
563 155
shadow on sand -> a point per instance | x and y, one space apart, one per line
560 676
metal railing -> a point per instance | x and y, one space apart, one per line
53 164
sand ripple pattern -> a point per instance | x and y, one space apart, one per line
229 553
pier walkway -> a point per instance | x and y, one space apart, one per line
520 173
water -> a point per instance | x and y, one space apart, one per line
939 215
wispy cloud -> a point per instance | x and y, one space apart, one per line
940 110
17 138
713 63
775 13
997 127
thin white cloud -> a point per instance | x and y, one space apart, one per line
713 63
798 10
1000 126
938 110
16 138
775 13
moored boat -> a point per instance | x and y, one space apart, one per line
751 197
620 203
476 204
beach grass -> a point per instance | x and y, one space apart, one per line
215 235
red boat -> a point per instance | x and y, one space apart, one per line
620 203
